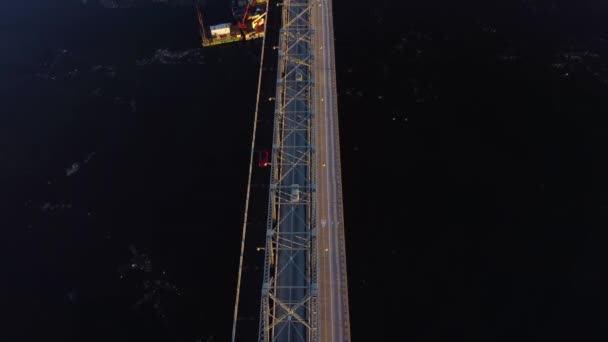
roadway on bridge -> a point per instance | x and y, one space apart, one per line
334 321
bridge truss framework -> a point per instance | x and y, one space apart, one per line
289 298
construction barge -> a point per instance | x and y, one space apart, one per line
249 20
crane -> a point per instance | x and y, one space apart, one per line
200 22
241 21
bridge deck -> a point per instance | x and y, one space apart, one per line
305 294
334 321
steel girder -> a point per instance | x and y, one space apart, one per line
288 309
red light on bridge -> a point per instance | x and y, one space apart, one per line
263 158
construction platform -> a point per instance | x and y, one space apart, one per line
249 23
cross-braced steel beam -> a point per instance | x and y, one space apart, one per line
289 292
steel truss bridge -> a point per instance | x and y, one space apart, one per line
304 295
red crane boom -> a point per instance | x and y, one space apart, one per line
242 24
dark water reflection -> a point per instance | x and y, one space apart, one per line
471 139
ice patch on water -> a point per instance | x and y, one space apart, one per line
57 206
165 56
72 169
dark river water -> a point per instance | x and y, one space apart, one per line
473 143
